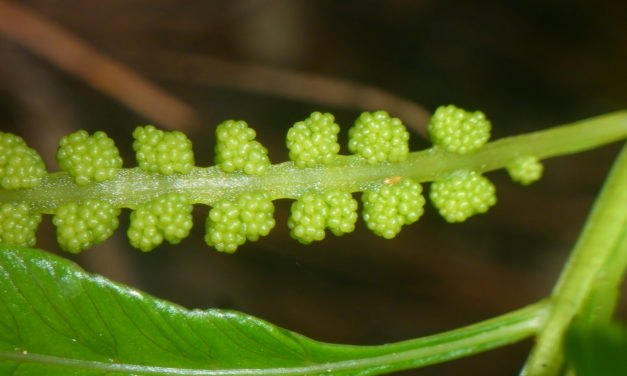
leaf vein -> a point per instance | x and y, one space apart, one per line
89 296
183 351
19 291
278 354
117 300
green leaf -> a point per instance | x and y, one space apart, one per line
599 350
56 319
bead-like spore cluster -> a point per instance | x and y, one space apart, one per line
18 224
458 131
237 150
232 222
462 194
88 158
166 217
20 166
391 206
377 137
163 152
81 225
312 213
525 170
313 141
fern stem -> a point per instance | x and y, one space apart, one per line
599 252
132 187
334 359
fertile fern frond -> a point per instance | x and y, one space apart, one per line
86 197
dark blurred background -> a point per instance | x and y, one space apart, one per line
113 65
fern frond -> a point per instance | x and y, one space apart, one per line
87 195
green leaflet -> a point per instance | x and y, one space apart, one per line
56 319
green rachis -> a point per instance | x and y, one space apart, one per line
85 198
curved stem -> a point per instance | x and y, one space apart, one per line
132 187
599 246
604 297
345 359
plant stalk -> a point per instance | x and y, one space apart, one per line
208 185
599 252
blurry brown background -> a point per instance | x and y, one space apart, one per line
113 65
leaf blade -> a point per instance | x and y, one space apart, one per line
57 319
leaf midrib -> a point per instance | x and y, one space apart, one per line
417 356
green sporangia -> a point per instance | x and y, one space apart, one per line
56 319
85 198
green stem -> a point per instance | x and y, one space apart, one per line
598 247
345 359
605 295
132 187
490 334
